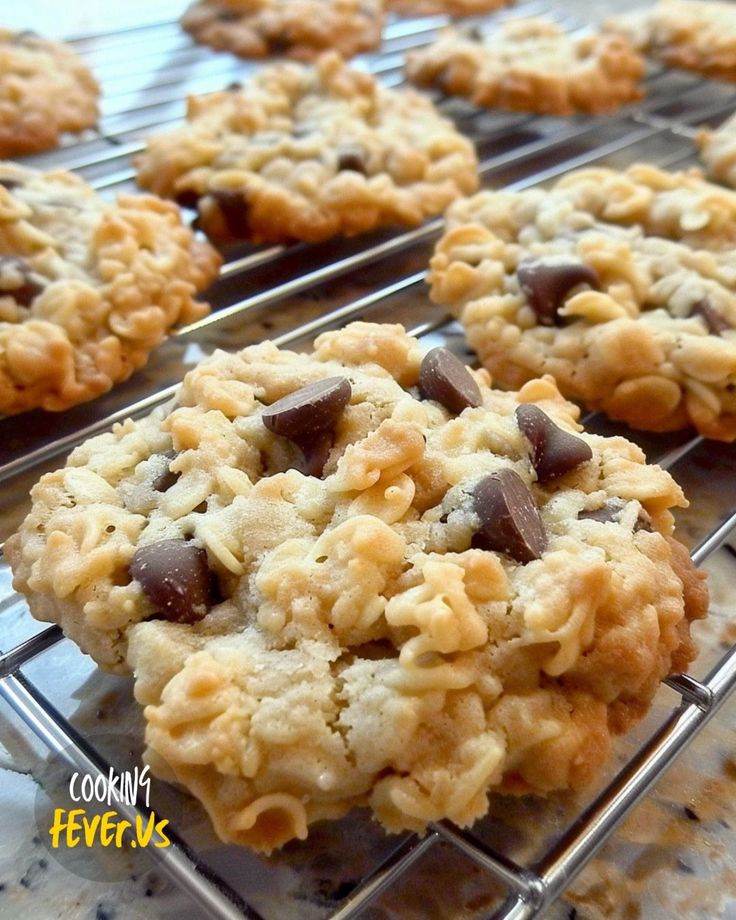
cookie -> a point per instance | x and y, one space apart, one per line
297 28
307 152
699 36
87 288
45 89
718 150
531 65
448 7
621 285
363 577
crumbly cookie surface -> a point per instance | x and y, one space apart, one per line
87 288
718 150
45 89
531 65
308 152
621 285
450 7
462 592
699 36
298 28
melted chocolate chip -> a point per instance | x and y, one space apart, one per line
234 209
310 412
610 512
352 158
547 284
166 479
315 453
187 198
175 578
509 518
444 378
554 452
24 292
714 322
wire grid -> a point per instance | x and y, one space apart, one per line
145 73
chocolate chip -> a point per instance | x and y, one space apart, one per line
315 453
714 321
187 198
352 158
547 284
610 512
310 411
166 479
24 292
279 44
691 815
234 86
175 578
444 378
234 209
509 518
554 452
9 183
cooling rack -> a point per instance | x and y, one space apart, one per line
291 294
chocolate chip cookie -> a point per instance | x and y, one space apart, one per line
531 65
87 288
297 28
621 285
718 149
363 577
308 152
450 7
45 89
699 36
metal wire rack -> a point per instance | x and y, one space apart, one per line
294 293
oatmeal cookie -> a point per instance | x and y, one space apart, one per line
450 7
699 36
308 152
621 285
531 65
298 28
87 288
363 577
45 89
718 149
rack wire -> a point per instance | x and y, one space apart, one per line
146 73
